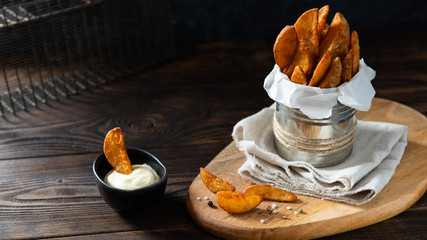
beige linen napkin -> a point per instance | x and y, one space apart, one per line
377 150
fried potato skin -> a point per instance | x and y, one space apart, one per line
320 70
285 47
115 151
354 45
234 202
215 184
306 27
322 26
271 193
333 75
305 57
337 39
298 76
347 67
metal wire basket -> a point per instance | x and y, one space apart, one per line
55 48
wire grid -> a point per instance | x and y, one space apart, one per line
56 48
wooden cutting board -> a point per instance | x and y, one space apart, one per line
320 217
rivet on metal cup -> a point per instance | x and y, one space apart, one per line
320 142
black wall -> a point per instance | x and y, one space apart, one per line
222 20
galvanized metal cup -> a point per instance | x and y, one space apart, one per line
320 142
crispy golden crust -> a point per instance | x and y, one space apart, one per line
354 45
333 75
115 151
285 47
306 27
337 40
271 193
322 26
233 202
215 184
320 70
305 57
298 76
347 67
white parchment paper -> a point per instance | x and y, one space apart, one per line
316 102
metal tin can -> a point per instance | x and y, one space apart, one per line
320 142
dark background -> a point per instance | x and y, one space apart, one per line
197 21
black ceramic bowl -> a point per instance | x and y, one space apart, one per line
130 200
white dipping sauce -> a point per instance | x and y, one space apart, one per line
141 176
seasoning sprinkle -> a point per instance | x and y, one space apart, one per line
210 204
262 221
289 208
269 209
198 198
273 205
301 211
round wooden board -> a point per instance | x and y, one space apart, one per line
320 217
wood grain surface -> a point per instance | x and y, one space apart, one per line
183 111
320 217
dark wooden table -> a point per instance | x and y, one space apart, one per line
182 111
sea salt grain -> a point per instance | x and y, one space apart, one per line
198 198
262 221
206 198
273 205
289 208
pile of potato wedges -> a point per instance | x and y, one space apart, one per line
314 53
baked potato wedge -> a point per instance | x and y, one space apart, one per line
354 45
347 67
234 202
320 70
305 57
271 193
298 76
333 75
322 26
214 183
285 47
115 151
337 39
306 27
